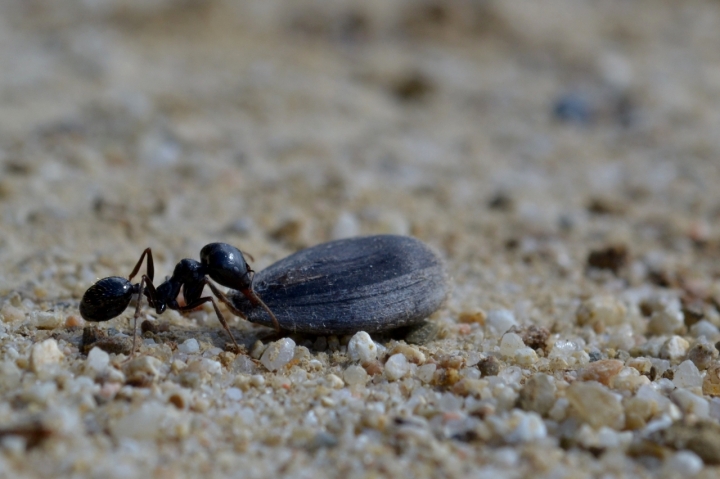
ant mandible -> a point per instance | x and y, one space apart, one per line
223 263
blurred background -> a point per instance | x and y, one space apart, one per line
515 137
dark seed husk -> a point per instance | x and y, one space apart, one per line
373 284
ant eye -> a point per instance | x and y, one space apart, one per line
106 299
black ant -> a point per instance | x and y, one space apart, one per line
223 263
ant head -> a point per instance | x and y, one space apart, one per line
163 294
226 265
160 308
106 299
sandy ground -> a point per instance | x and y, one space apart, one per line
516 139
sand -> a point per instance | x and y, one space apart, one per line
562 158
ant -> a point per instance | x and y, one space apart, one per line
223 263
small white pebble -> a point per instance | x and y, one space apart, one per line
396 367
704 328
189 346
257 380
257 349
45 354
683 464
425 372
601 311
526 356
144 366
234 394
687 375
362 348
689 403
97 360
525 427
500 320
667 321
47 319
204 365
334 381
355 375
11 314
278 354
674 348
143 423
510 343
315 365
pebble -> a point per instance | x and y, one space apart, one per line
510 344
411 353
667 321
687 375
362 348
97 360
257 349
233 394
594 404
396 367
144 368
600 312
674 348
44 355
682 464
47 319
473 317
525 427
538 394
703 355
425 372
602 438
73 321
715 408
705 328
499 321
334 381
641 364
145 423
355 375
278 354
699 437
489 366
602 371
243 364
470 386
629 379
189 346
711 382
526 356
204 365
11 314
690 403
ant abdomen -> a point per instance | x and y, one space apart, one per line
106 299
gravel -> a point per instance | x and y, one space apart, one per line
555 156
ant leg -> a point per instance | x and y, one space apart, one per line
220 316
137 311
255 299
226 301
150 265
250 295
